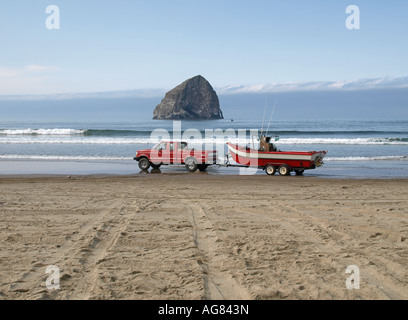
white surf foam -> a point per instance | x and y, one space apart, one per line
48 157
375 158
25 132
344 141
74 136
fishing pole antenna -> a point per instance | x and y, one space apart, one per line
270 119
263 119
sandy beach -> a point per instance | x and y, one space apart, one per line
200 236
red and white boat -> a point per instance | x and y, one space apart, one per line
268 158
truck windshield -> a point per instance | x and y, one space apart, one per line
182 145
161 146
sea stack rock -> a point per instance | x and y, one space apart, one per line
194 99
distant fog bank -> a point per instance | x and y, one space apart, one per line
319 105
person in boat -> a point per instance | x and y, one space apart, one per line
272 147
267 145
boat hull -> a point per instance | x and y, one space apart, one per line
260 159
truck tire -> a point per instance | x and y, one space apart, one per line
299 172
191 164
202 167
144 164
155 166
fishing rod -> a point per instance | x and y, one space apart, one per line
263 119
270 119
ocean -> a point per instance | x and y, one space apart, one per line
356 149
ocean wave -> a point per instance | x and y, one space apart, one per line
345 141
70 158
221 159
39 132
76 138
374 158
146 132
141 132
111 141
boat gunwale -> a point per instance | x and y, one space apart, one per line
253 151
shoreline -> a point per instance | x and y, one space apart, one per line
198 175
333 169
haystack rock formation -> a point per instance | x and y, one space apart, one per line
194 99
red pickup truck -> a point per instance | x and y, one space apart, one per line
175 152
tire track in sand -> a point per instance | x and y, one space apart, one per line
65 257
101 243
219 284
332 238
79 258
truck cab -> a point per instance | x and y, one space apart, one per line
175 152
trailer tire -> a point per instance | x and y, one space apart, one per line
284 170
191 164
270 169
144 164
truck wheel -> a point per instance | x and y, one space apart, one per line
144 164
202 167
191 165
299 172
270 169
155 166
284 170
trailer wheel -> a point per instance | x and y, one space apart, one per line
144 164
284 170
270 169
191 164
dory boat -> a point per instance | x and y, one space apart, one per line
270 159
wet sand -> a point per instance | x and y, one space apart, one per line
199 236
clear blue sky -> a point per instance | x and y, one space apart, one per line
126 44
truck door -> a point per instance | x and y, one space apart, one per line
172 153
161 153
181 146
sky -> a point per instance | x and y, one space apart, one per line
108 45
